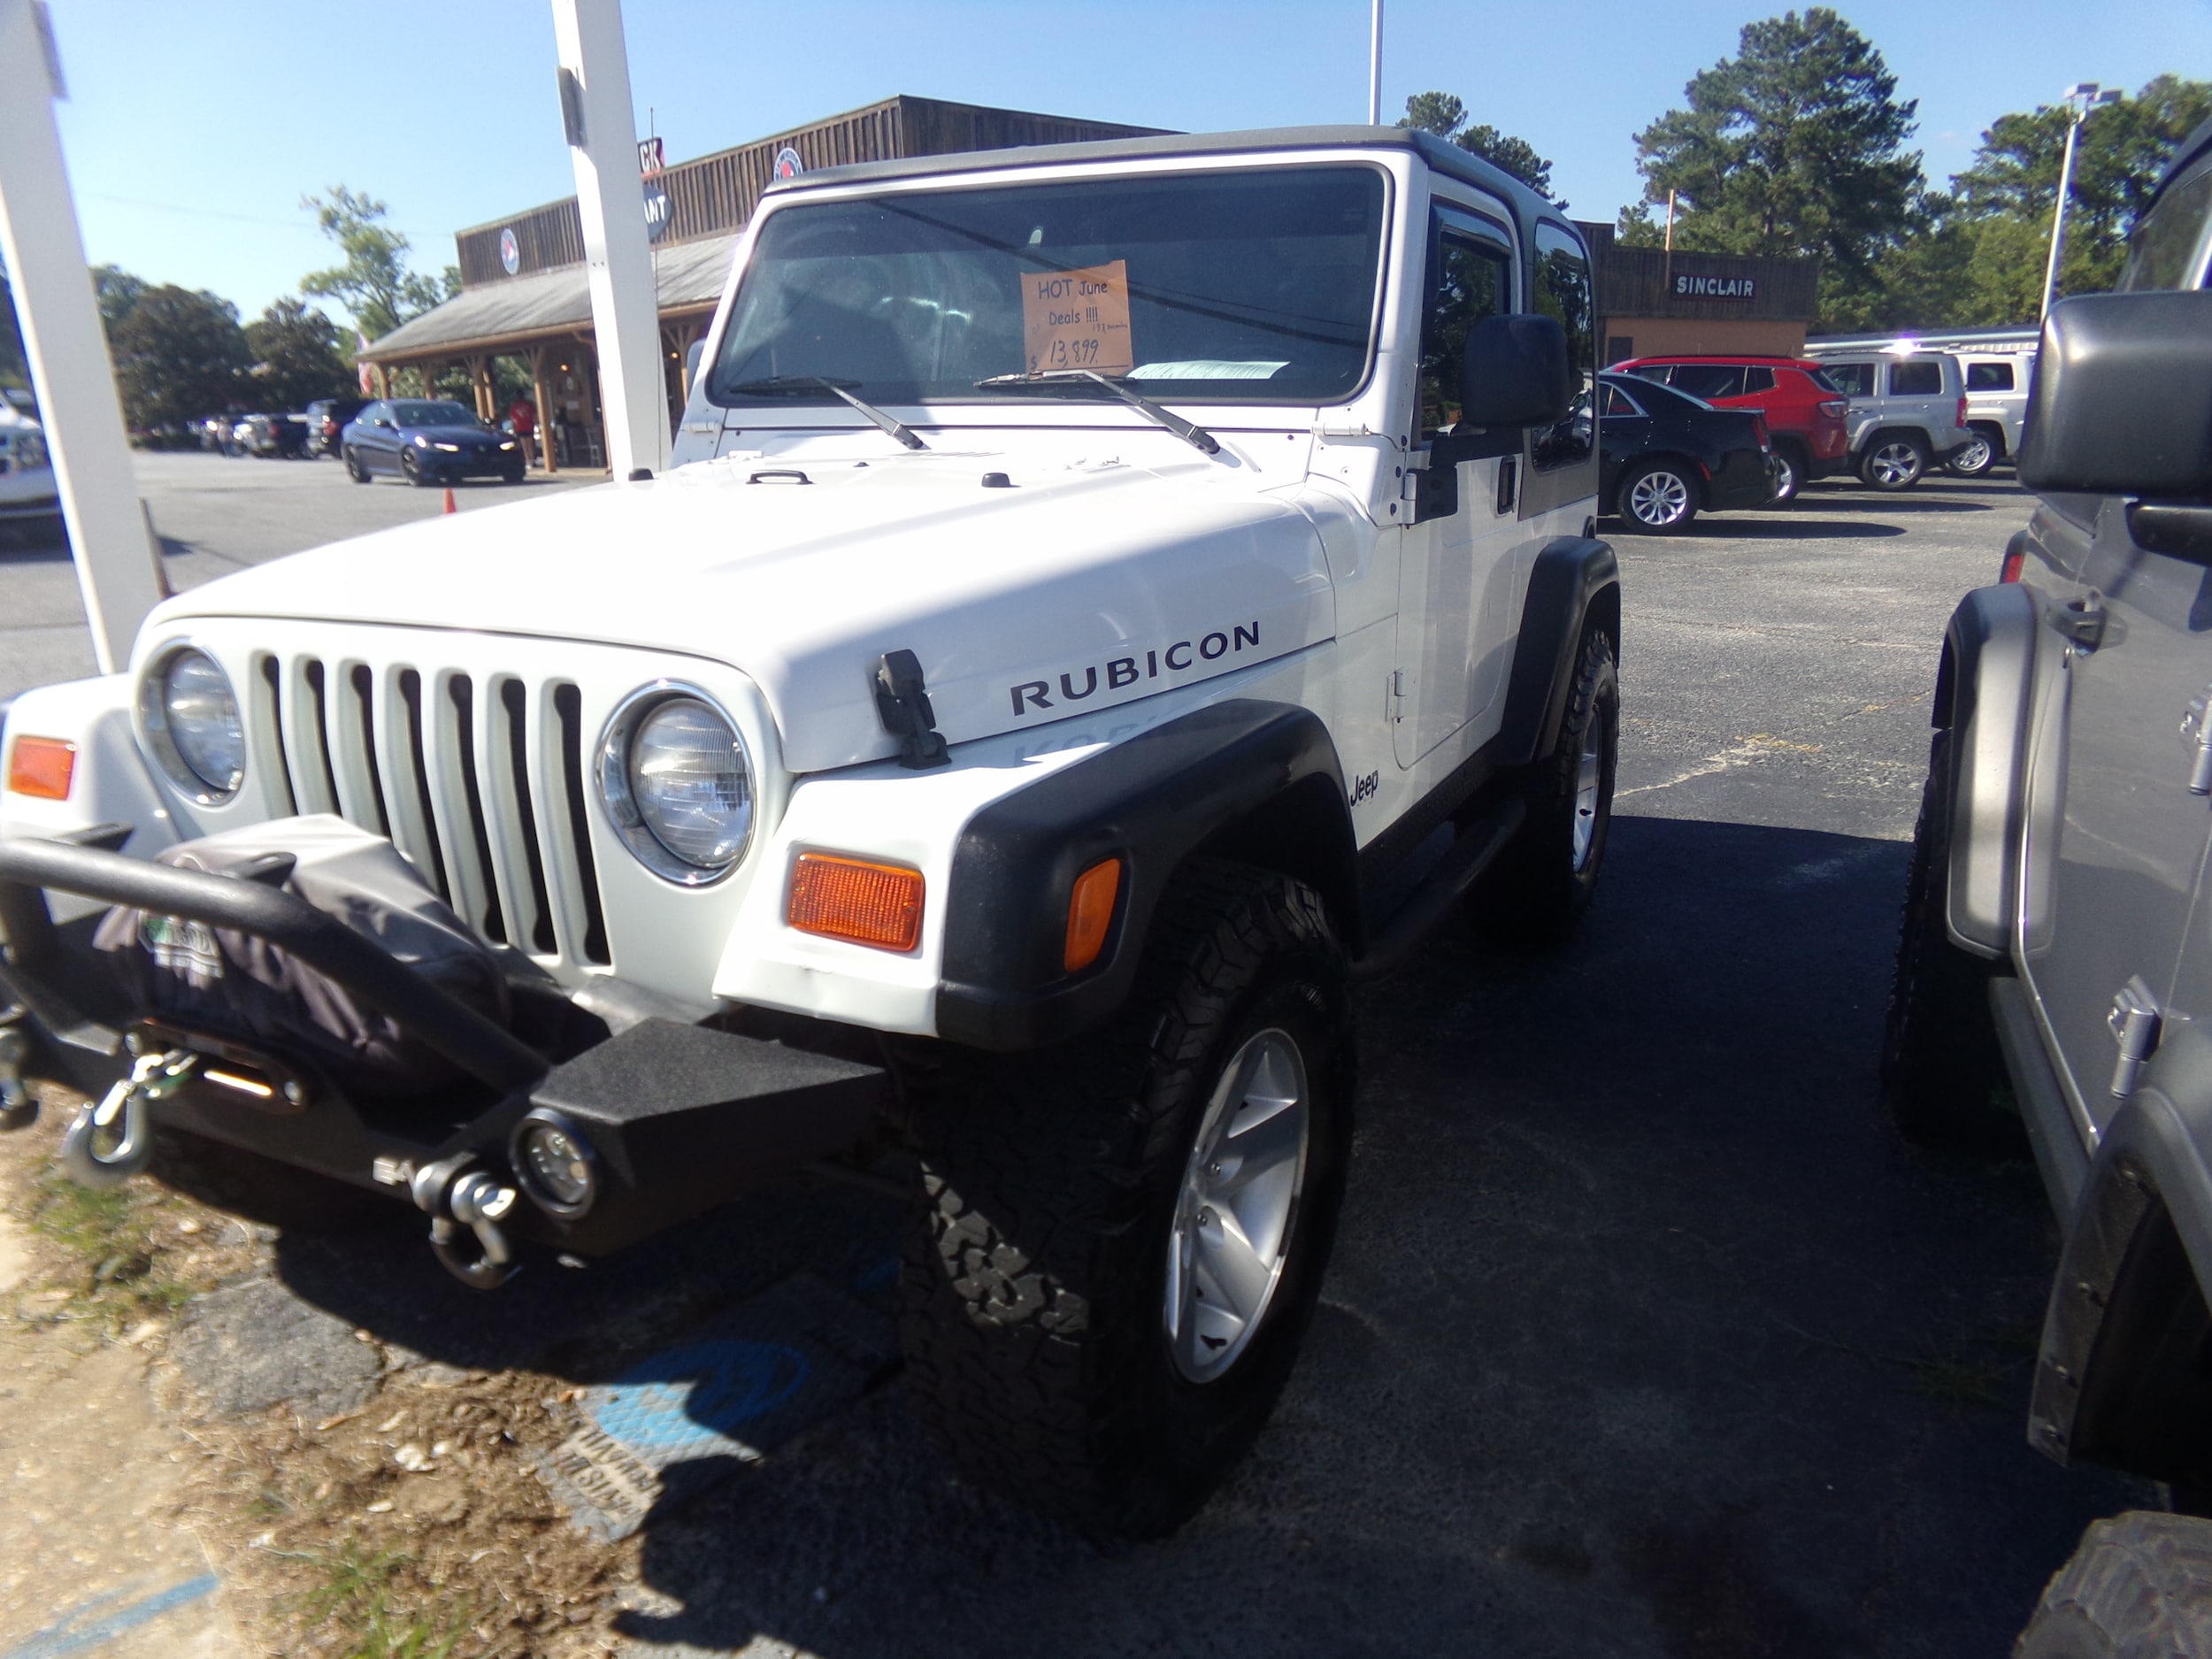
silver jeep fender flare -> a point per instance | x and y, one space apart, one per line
1982 696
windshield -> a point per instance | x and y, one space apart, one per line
1252 287
428 414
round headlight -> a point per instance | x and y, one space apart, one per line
192 716
677 783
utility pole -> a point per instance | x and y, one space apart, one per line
118 568
2079 100
1374 67
602 131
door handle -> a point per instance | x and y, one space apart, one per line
2082 621
1509 483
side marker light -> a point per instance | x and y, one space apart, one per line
41 766
1090 913
856 900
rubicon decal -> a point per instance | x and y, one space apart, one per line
1170 662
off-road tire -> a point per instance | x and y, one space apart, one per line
2140 1586
1035 1278
1942 1073
1538 890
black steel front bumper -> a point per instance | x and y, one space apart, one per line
677 1116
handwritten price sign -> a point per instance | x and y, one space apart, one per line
1078 319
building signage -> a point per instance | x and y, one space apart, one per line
787 163
1689 285
650 158
510 250
659 211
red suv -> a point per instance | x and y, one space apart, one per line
1804 409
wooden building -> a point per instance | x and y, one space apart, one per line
524 295
1652 301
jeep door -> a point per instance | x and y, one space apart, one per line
1455 576
2113 850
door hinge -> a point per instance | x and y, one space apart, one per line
2135 1023
2196 731
1394 696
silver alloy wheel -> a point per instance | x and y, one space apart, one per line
1239 1203
1975 459
1658 498
1589 778
1896 465
1782 473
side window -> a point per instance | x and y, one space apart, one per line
1920 377
1709 380
1989 377
1853 379
2162 252
1655 373
1618 403
1470 278
1563 292
1758 379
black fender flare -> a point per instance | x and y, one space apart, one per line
1245 778
2116 1380
1573 578
1982 696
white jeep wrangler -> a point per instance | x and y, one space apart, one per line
1108 598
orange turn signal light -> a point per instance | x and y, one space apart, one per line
41 766
1091 912
855 900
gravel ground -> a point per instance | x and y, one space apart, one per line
1644 1336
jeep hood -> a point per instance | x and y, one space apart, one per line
1072 589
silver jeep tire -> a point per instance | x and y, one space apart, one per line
1897 462
1976 458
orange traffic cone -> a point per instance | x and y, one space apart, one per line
450 507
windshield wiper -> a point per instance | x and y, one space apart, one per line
777 385
1197 437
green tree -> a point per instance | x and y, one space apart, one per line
296 357
178 355
116 291
2008 193
1444 115
375 283
15 369
1796 145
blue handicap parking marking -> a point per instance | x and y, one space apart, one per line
698 1393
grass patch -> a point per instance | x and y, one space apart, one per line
358 1594
117 1266
1949 1378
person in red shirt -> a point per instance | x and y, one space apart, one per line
524 413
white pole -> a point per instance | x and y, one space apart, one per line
1374 67
2058 213
624 306
117 569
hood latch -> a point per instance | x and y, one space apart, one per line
902 705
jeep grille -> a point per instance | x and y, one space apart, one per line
479 779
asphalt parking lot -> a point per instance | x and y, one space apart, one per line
1644 1336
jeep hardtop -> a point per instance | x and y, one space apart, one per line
1107 599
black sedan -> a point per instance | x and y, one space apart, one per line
427 441
1664 456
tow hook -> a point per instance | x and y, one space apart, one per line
18 1107
112 1140
456 1195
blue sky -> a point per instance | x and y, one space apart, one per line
192 130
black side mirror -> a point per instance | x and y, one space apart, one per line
1515 374
2121 400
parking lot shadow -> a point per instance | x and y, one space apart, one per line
1781 528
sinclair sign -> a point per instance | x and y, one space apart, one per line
1691 286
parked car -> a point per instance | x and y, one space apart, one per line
1665 455
2056 951
1018 783
1996 408
427 441
327 418
27 493
1804 410
1907 411
269 436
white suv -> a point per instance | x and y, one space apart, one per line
1907 411
1090 577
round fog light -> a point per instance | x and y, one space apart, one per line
555 1164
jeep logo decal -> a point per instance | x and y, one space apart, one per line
1126 670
